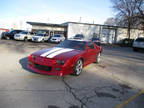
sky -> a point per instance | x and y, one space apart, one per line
14 13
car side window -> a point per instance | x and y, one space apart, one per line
91 45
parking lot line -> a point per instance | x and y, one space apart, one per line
129 99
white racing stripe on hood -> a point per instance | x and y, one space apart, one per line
51 51
58 52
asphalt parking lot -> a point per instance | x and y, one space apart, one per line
117 82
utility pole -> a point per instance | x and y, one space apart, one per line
80 19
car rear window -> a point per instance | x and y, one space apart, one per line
140 39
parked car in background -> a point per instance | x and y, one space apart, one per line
25 35
10 35
40 37
79 36
3 31
126 42
138 44
1 34
57 38
68 57
96 40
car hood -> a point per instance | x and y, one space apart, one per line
58 53
19 34
56 37
37 36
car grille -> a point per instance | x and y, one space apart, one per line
17 35
35 38
42 67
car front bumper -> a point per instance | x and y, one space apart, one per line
56 70
36 40
18 38
54 40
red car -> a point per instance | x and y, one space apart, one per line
68 57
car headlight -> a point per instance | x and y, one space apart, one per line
40 38
32 57
60 62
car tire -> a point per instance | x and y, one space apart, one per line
78 67
25 39
43 41
98 59
135 49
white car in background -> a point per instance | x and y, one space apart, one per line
25 35
57 38
40 37
138 44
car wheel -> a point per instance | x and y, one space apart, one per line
135 49
98 59
78 67
43 41
25 39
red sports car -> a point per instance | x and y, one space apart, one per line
68 57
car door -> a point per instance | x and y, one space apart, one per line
28 35
46 37
91 52
31 34
63 38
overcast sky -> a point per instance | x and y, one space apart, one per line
54 11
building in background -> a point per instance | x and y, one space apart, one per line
107 33
50 28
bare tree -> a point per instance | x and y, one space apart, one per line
126 12
140 14
110 21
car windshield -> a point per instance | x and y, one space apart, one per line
95 39
79 36
40 35
140 39
57 35
12 31
23 32
78 45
